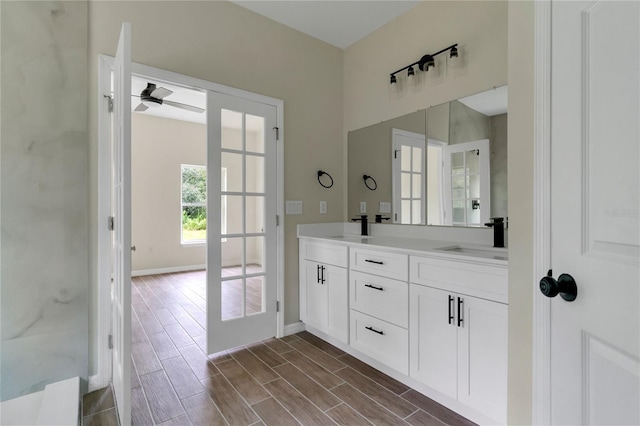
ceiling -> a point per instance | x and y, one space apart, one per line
337 22
490 103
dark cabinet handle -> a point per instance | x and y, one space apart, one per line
460 309
374 287
375 331
318 274
322 280
377 262
565 286
450 309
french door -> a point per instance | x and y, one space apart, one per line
121 194
241 252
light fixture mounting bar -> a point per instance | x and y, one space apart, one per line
420 61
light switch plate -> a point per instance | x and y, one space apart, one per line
323 207
363 206
293 207
385 207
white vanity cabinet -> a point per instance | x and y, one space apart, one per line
324 291
379 306
458 340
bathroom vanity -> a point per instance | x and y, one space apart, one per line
430 313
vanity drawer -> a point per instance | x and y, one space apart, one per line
380 297
391 265
332 254
380 340
484 281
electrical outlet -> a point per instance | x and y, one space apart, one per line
323 207
363 207
385 207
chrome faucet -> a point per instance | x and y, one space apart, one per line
497 223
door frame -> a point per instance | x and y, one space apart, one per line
541 352
103 278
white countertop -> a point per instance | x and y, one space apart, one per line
452 250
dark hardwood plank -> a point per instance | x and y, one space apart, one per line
313 370
219 357
202 411
368 408
267 356
184 382
178 336
317 355
162 399
420 418
96 401
368 371
274 414
315 393
299 406
321 344
392 402
277 345
102 418
231 405
344 415
438 411
163 346
198 361
254 365
140 414
244 383
290 338
145 358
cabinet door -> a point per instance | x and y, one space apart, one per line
315 296
482 357
433 339
337 305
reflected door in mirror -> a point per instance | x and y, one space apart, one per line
408 176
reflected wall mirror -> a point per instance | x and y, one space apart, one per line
446 165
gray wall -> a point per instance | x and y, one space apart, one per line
44 175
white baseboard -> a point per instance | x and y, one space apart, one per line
168 270
95 383
294 328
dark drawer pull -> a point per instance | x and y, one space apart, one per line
374 287
377 262
375 331
460 309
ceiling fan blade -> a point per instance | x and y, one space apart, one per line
183 106
141 107
161 92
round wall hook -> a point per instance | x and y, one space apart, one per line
320 174
366 179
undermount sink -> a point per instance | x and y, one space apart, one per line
488 253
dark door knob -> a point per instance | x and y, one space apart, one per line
565 286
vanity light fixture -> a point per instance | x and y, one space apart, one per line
424 63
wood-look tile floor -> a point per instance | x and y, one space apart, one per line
299 379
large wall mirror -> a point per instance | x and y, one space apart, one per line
446 165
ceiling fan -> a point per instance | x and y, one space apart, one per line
153 97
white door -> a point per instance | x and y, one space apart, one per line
595 236
466 183
121 169
408 177
241 263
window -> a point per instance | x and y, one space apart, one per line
194 204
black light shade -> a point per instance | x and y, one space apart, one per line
393 79
426 62
410 72
454 52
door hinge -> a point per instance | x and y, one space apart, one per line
395 153
110 342
109 103
277 220
277 129
111 223
277 306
